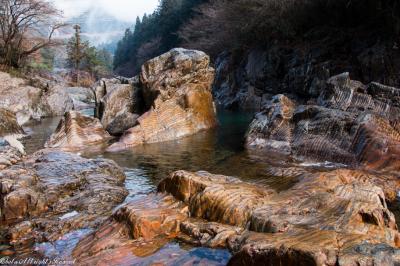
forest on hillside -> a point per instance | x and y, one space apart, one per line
220 25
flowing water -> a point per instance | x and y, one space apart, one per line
219 151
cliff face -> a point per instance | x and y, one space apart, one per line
247 79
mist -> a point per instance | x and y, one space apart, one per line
103 22
125 10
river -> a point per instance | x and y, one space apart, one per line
219 151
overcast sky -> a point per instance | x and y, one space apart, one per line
126 10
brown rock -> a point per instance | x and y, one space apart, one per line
9 124
53 192
215 198
77 131
325 218
176 89
139 227
353 124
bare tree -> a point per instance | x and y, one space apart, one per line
26 26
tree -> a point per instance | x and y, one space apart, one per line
76 49
154 34
26 26
76 52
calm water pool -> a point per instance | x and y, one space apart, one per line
220 151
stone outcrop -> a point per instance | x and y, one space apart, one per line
119 104
35 98
328 218
244 79
20 98
325 218
9 124
176 90
351 124
82 98
9 155
55 101
51 193
135 230
77 131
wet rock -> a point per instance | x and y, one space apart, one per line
272 128
51 193
139 227
311 248
325 218
215 198
77 131
176 89
348 126
207 234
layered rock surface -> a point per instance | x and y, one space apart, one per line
176 91
350 124
331 218
135 230
77 131
244 79
51 193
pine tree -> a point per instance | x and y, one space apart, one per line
76 51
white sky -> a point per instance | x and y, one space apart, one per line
126 10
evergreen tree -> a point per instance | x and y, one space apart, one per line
76 49
154 34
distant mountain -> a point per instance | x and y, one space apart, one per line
100 28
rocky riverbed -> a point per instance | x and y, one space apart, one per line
159 176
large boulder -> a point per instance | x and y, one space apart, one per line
325 218
137 229
56 101
77 131
31 102
20 98
119 104
352 124
51 193
82 98
176 90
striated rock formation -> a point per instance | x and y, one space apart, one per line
176 89
330 218
9 155
244 79
52 193
352 124
77 131
133 231
326 218
9 124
